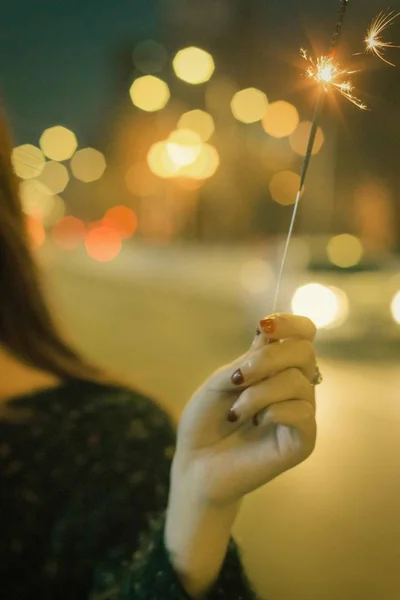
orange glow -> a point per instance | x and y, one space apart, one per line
103 244
68 233
122 219
281 119
36 232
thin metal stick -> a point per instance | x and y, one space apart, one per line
308 156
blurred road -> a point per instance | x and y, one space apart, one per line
328 530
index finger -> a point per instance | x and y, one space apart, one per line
282 326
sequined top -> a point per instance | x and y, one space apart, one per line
84 477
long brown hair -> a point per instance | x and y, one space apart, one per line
27 329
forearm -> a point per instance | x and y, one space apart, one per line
197 537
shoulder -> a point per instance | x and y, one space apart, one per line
113 407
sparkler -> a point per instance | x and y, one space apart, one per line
328 74
374 44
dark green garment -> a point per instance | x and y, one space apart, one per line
84 481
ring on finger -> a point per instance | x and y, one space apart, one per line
318 378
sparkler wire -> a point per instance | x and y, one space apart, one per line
307 159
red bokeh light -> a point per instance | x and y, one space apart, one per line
69 233
103 243
122 219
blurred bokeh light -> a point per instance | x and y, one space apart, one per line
58 143
122 219
345 250
299 139
103 243
249 105
55 176
183 147
284 187
198 121
28 161
149 93
281 119
193 65
36 232
326 306
395 307
69 233
88 165
160 162
39 202
206 164
149 56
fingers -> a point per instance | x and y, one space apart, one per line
284 327
287 385
264 362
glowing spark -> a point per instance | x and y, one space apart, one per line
330 75
374 42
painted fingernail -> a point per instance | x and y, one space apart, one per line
256 420
258 331
237 377
268 325
233 417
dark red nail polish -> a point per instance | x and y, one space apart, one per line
233 417
256 420
268 325
237 377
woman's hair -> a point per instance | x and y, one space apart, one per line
27 329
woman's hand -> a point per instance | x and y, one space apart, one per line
251 421
219 445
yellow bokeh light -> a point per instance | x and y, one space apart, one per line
249 105
160 162
149 93
88 165
198 121
193 65
345 250
299 139
55 176
281 119
205 166
284 187
36 199
58 143
28 161
183 147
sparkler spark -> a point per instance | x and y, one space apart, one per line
374 44
326 72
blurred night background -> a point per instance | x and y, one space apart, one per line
159 146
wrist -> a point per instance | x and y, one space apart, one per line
197 534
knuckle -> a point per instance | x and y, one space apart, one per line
296 379
247 397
